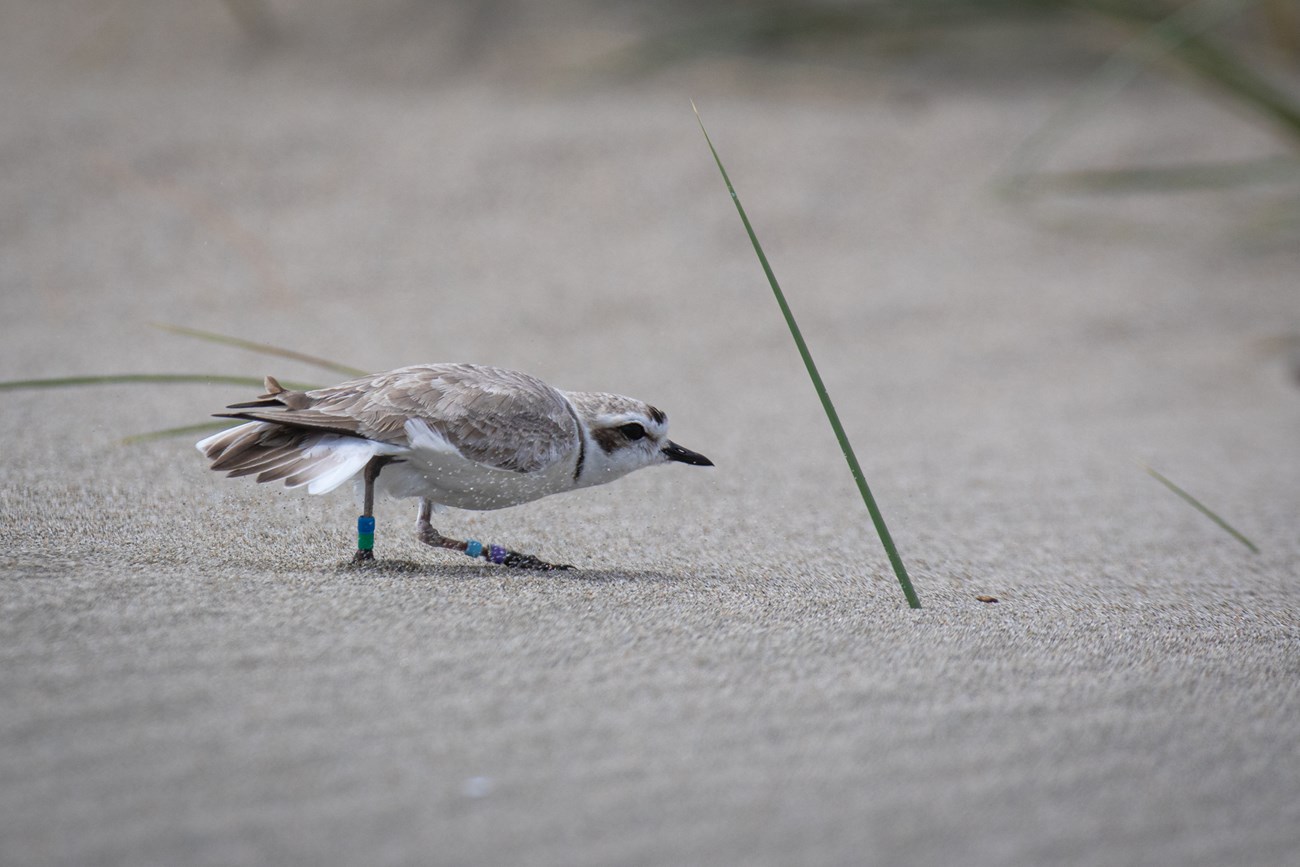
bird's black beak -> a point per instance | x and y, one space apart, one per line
674 452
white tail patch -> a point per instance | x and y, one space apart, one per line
331 461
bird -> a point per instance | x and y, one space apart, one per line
458 435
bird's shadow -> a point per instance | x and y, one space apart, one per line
470 571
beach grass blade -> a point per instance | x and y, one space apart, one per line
152 379
876 517
144 379
183 431
263 348
1202 508
189 378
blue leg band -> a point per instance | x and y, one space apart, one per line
365 533
497 554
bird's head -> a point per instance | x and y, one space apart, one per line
625 434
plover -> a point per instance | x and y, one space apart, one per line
459 435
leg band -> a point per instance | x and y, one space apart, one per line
365 533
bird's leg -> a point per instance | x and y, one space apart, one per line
474 548
366 523
425 533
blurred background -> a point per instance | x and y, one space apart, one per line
235 122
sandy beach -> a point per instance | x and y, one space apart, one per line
192 674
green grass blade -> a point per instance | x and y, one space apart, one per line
263 348
1202 508
153 379
142 379
186 430
876 517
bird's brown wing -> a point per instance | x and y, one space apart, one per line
500 418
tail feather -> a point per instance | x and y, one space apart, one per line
250 443
276 395
272 460
230 441
279 471
321 461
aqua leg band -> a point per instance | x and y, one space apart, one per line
365 533
473 548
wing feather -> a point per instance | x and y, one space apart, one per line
500 418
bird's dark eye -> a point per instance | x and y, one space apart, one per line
632 431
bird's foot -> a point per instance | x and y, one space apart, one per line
528 561
492 553
366 528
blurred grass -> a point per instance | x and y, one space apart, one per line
1165 179
133 379
1183 34
1234 48
1182 39
206 427
262 349
1245 51
1201 507
189 378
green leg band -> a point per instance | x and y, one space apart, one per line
365 533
